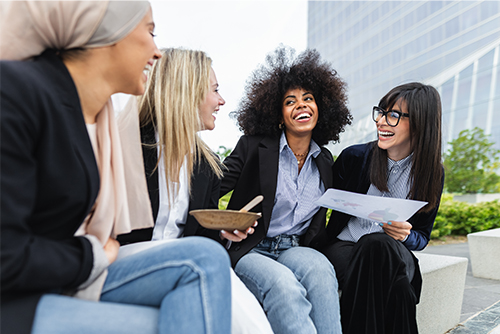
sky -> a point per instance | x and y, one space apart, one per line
237 35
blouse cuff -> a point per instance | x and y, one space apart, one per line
228 242
405 238
92 287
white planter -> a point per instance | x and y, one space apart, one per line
476 198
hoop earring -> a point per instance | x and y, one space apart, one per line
281 126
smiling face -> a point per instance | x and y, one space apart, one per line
211 104
134 55
396 140
300 112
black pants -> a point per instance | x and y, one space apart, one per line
375 276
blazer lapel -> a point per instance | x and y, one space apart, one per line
150 157
325 169
268 171
200 186
74 117
83 149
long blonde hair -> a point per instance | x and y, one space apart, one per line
177 85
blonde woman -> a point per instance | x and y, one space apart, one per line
182 172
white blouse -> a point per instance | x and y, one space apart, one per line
171 219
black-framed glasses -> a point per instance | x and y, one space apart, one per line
392 117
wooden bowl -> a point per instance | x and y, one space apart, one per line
225 219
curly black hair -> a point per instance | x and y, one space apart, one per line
260 111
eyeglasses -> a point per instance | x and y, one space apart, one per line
392 117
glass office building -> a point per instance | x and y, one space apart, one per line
376 45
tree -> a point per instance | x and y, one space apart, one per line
223 152
471 164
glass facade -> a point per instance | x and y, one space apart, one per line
377 45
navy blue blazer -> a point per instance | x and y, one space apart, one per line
49 183
351 172
252 169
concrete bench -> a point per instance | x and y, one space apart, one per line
484 250
442 292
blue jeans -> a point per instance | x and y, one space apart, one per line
296 286
182 286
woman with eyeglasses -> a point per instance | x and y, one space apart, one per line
377 272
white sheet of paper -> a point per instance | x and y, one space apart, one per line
376 208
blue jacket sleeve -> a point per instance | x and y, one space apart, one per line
422 223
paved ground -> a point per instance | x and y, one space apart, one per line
481 303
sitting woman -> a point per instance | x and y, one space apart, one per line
377 272
182 172
63 172
293 106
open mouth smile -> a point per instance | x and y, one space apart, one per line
147 70
303 116
385 134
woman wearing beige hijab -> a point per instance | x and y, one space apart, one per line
64 194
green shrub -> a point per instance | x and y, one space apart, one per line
460 218
224 200
476 170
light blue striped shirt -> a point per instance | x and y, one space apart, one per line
398 182
296 194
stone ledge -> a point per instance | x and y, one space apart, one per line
442 292
486 321
484 250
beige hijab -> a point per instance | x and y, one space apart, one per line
27 28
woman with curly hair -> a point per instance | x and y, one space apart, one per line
377 272
293 106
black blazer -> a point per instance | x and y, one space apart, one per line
351 172
49 182
205 187
252 169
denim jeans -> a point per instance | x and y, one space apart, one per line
248 317
182 286
296 286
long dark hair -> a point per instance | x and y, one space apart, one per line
424 106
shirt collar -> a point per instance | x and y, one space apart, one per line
401 164
314 148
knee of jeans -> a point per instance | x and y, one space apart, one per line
209 251
324 268
285 283
321 273
303 259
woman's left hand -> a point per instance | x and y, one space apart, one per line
397 230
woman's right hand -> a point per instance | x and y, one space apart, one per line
111 249
237 235
398 230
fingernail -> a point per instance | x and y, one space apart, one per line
235 231
389 223
381 224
